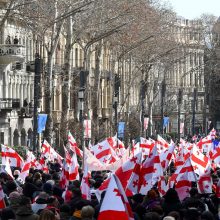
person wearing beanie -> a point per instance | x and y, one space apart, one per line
87 213
14 198
24 212
65 212
48 188
168 218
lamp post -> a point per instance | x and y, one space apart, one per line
179 109
194 110
81 117
37 77
163 91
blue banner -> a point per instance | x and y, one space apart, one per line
41 122
165 121
121 129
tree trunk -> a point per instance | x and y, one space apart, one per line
95 93
64 126
48 99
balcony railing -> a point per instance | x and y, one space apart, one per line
11 53
9 104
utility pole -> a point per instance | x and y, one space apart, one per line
180 94
116 96
142 98
194 110
37 78
81 94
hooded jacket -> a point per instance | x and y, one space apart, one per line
25 213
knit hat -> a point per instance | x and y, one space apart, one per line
14 195
48 188
168 218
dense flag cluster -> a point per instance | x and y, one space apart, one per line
147 166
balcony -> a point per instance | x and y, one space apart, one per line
8 104
10 53
56 114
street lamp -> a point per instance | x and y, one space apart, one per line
81 112
180 95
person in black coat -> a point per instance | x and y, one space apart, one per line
171 202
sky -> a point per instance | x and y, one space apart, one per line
191 9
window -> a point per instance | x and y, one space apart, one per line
191 35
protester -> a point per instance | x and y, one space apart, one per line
24 211
87 213
49 215
171 201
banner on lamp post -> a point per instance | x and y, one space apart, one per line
87 128
181 127
121 129
41 122
165 121
146 122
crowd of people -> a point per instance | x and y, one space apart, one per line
41 197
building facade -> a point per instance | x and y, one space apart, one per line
182 87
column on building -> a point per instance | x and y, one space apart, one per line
18 87
14 88
21 92
9 87
5 84
1 86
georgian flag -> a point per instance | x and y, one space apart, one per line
49 152
183 186
134 184
201 163
64 179
115 204
165 156
73 145
104 152
205 143
24 171
2 200
85 185
150 172
123 173
161 144
73 168
14 159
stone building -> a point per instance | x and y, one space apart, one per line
212 80
183 81
16 84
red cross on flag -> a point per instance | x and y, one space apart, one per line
87 128
85 186
25 171
73 145
15 160
115 204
